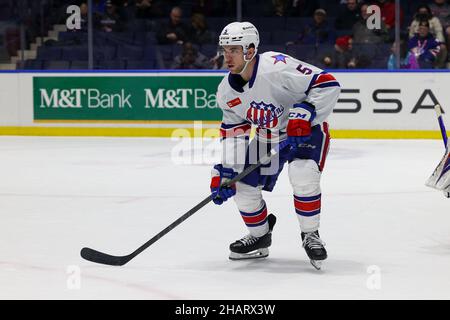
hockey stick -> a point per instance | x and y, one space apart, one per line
438 110
103 258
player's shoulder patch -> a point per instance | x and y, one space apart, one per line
275 58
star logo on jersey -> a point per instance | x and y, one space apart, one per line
264 115
278 58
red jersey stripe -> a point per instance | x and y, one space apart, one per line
324 78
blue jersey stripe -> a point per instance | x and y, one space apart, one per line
327 84
230 126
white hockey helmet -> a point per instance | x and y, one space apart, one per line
239 33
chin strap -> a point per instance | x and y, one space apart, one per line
247 61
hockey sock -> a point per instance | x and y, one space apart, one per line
256 221
308 212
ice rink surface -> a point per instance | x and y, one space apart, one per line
387 235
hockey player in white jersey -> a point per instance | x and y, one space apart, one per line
284 98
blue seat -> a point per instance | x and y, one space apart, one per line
139 38
130 52
302 52
325 47
141 64
369 50
111 64
137 25
56 65
297 23
283 36
266 48
75 53
76 37
166 51
343 32
383 50
104 52
379 64
33 65
209 50
150 37
79 65
271 23
216 23
252 19
49 53
265 37
119 38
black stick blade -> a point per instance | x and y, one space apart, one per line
103 258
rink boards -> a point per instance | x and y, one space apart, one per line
164 104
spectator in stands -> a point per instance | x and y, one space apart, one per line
110 21
198 32
190 58
174 31
424 46
318 31
388 13
279 7
343 56
424 13
84 16
302 8
407 58
441 9
340 57
362 34
348 15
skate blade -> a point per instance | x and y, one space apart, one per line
257 254
316 264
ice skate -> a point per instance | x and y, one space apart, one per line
314 247
250 247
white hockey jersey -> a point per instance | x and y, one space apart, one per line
277 83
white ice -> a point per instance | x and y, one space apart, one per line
387 234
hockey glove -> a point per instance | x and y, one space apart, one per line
299 125
220 175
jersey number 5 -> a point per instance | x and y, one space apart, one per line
304 70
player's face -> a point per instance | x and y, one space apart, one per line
234 58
